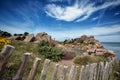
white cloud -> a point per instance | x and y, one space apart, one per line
117 13
79 10
11 30
95 18
73 33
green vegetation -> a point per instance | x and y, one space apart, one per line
69 55
21 48
4 41
26 33
5 34
116 72
43 48
83 60
50 52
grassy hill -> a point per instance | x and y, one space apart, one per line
21 48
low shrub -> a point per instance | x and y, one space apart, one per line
83 60
4 41
50 52
69 55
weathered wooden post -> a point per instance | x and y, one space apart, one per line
34 69
95 71
101 70
63 75
76 72
22 67
85 76
54 76
71 73
81 73
5 55
45 69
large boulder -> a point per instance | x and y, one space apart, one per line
29 38
42 36
109 53
17 38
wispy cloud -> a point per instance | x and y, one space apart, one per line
102 33
80 10
22 16
95 18
73 33
117 13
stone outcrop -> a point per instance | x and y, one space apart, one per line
42 36
29 38
100 52
83 43
90 45
17 38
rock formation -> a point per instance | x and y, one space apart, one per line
42 36
29 38
90 45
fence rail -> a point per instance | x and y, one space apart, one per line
94 71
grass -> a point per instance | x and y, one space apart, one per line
21 48
84 60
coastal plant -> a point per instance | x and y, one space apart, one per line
50 52
4 41
83 60
69 55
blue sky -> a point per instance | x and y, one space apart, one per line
62 19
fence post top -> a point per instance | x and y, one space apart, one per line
57 64
65 66
7 45
38 59
27 53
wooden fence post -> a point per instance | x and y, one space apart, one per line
76 73
45 69
95 71
5 55
63 75
54 76
85 76
81 73
22 67
34 69
101 70
71 73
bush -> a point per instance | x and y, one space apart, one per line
69 55
26 33
83 60
5 34
4 41
49 51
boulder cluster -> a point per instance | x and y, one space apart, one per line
90 45
31 38
83 43
100 52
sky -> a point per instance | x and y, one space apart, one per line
63 19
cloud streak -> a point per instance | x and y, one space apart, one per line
96 31
80 11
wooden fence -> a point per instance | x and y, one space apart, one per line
94 71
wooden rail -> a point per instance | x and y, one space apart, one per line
93 71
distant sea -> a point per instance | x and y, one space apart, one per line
115 46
